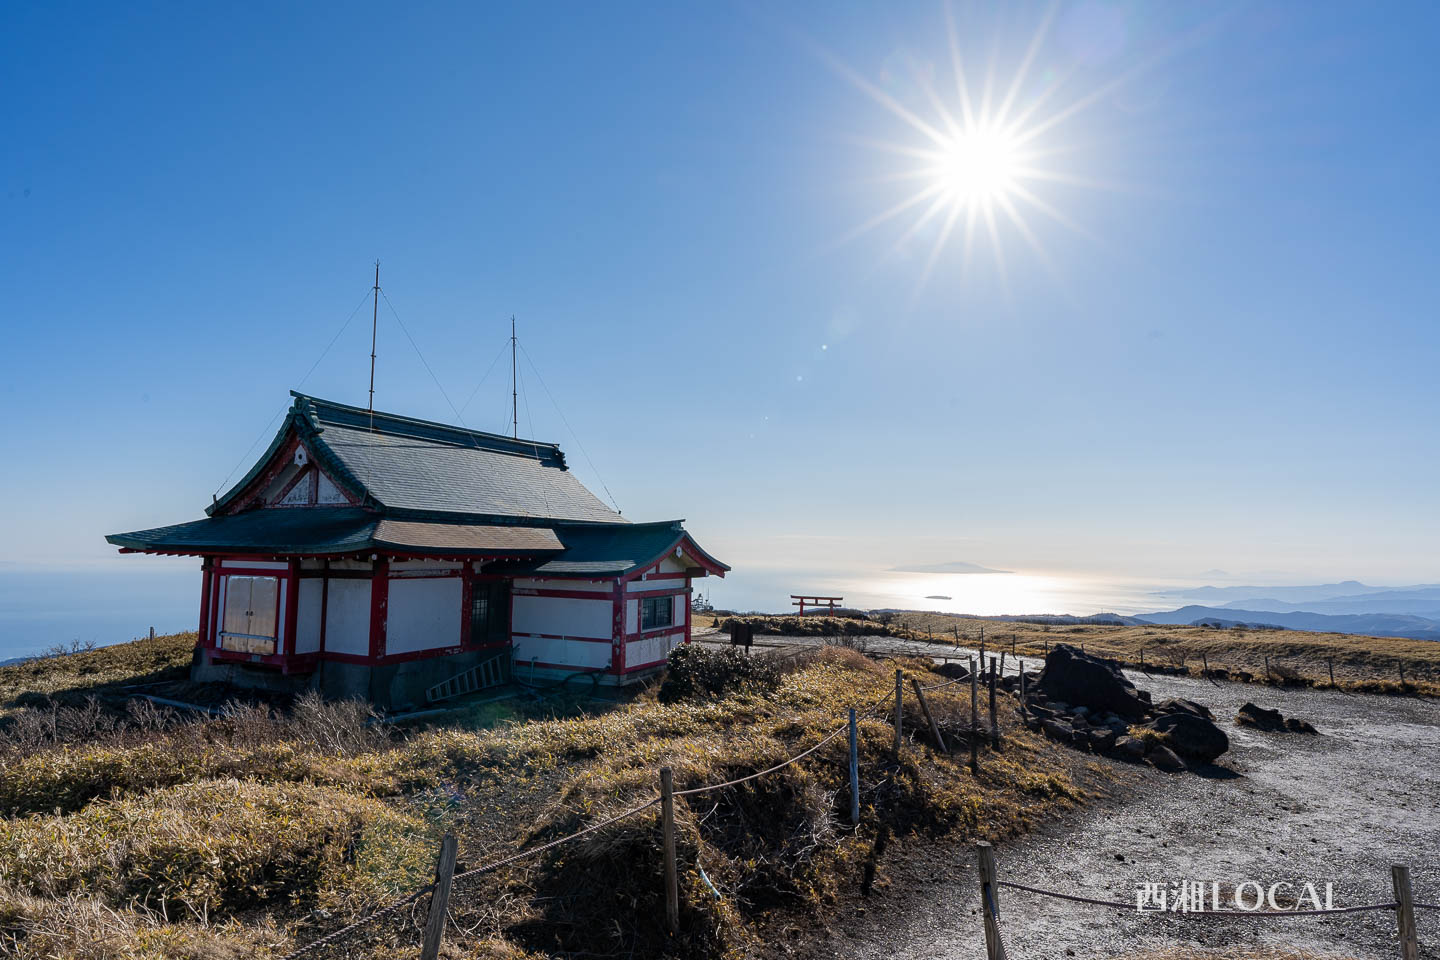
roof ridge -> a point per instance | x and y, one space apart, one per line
313 408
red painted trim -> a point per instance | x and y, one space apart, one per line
677 575
617 641
205 576
421 654
304 474
283 458
212 634
539 665
644 666
324 603
667 592
379 607
563 636
688 611
599 595
654 632
292 606
467 600
280 573
336 574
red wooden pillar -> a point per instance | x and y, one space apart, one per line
688 591
207 575
292 607
617 640
379 603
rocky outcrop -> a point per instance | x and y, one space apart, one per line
1164 758
1178 705
1077 678
1192 736
1272 721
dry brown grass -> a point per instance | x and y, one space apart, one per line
73 677
1361 663
248 834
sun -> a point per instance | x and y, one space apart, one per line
980 166
981 154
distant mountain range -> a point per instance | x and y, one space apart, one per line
954 566
1370 624
1345 607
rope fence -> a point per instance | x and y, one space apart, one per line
979 674
664 799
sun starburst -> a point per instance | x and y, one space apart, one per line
980 164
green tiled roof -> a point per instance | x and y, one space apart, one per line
611 551
406 464
317 531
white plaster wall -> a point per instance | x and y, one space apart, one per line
328 492
347 617
636 586
575 653
650 649
423 566
632 615
590 586
423 615
349 565
563 616
307 617
671 565
255 564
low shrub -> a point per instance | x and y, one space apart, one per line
696 671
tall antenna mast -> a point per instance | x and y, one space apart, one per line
514 386
374 324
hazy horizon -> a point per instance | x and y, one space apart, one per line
1090 290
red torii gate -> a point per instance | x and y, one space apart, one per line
814 601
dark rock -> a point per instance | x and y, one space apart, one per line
1193 736
1102 741
1164 758
1183 706
1080 679
1130 748
1251 715
1056 730
1295 725
953 671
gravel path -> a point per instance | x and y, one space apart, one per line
1338 808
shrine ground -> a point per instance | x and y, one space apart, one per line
1340 807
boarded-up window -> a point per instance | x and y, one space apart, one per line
490 611
657 612
251 615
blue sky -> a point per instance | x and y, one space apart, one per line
1229 364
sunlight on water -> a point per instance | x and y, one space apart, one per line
983 594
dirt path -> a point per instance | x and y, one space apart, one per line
1338 808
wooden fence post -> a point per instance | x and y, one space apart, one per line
1024 695
1405 912
440 899
1331 662
899 709
989 904
1204 664
994 724
1002 663
1267 668
929 718
667 823
854 770
1142 657
974 717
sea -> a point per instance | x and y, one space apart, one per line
42 609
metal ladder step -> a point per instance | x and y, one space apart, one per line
489 673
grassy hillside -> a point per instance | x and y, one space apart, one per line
248 833
1361 663
71 678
